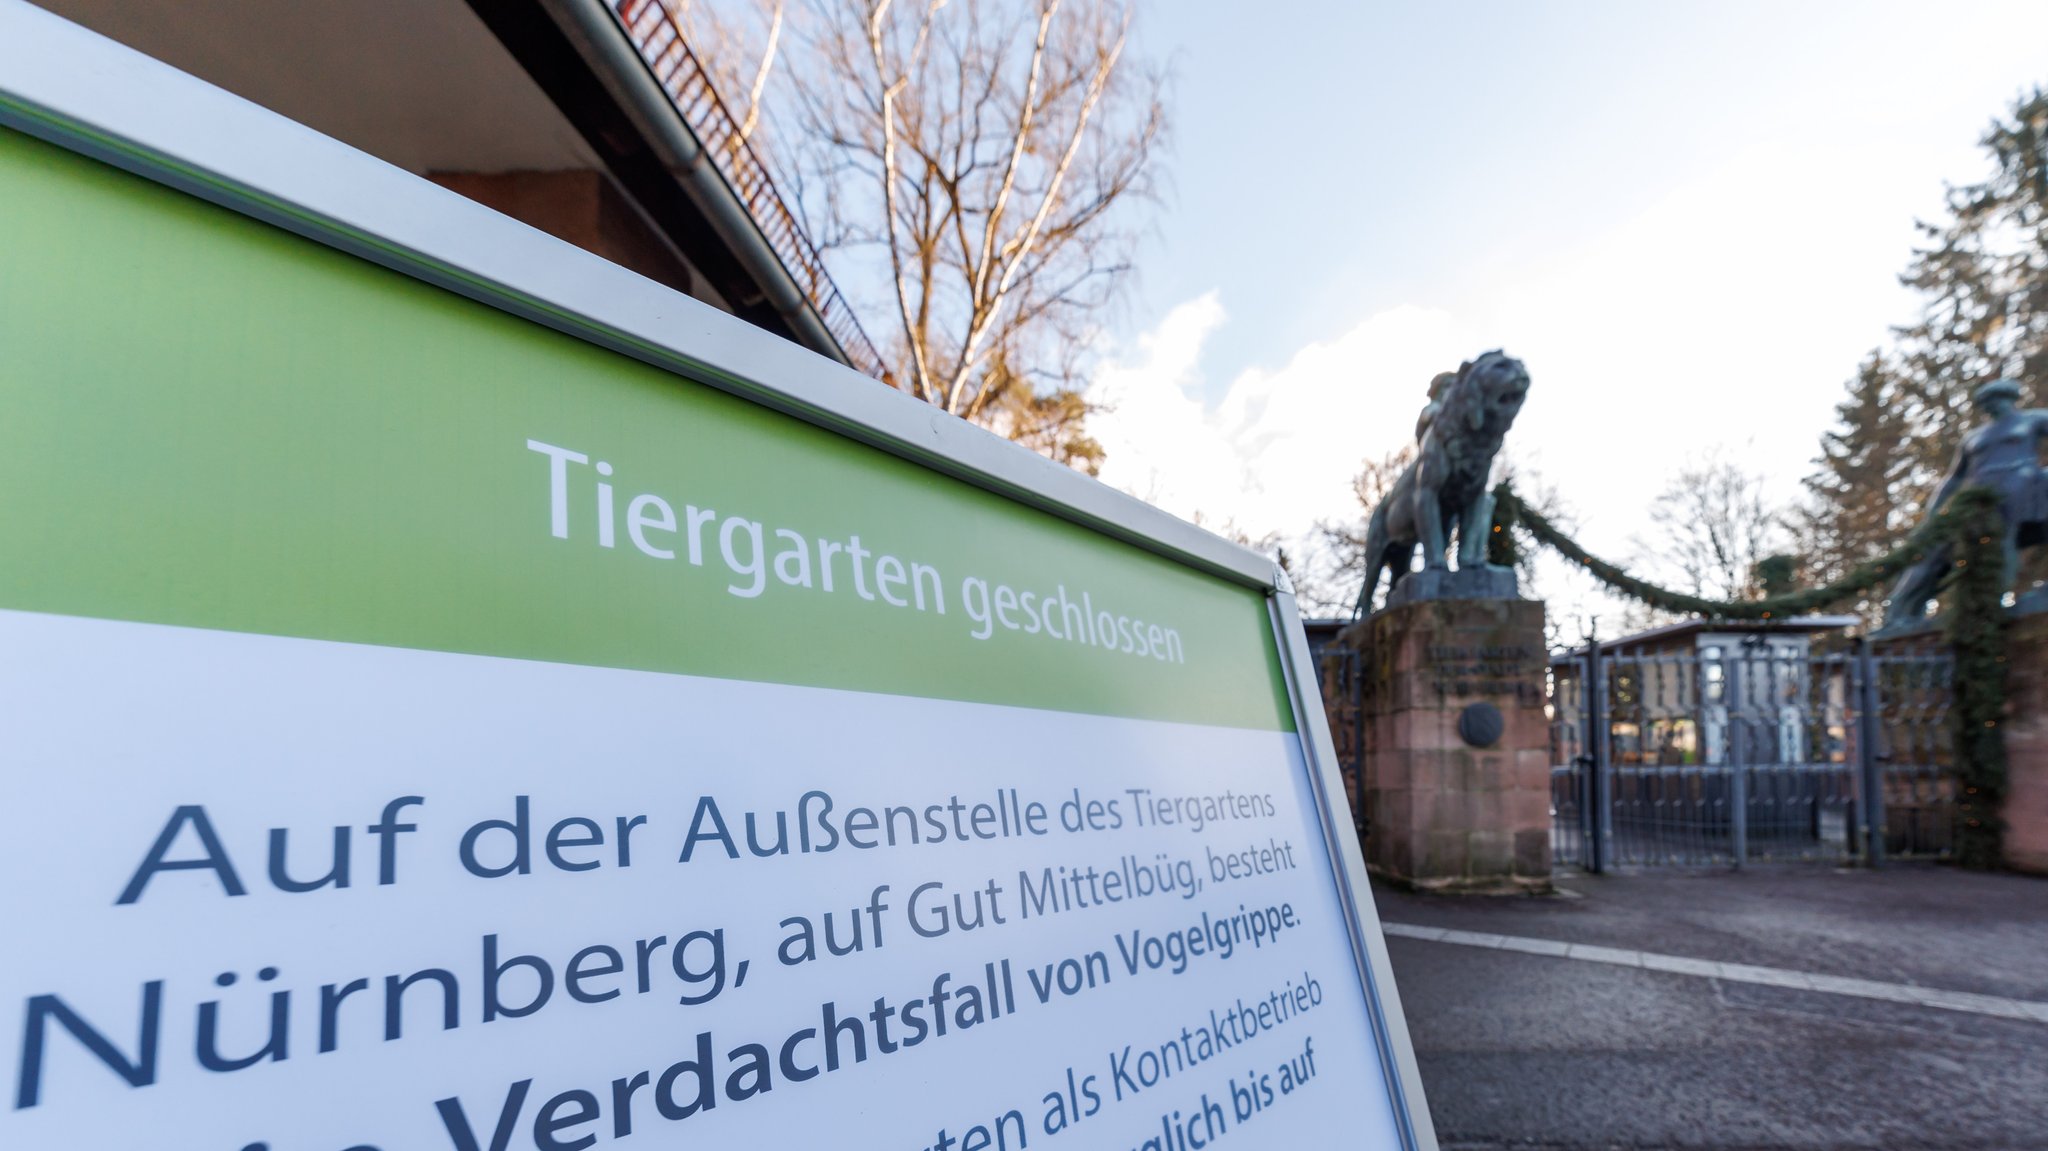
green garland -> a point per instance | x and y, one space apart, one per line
1862 578
1500 542
1975 622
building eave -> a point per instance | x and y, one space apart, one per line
581 56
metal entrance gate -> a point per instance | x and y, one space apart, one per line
1752 751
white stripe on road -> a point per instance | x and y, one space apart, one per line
1733 972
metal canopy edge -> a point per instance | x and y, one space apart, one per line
73 87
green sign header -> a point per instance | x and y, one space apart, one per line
208 422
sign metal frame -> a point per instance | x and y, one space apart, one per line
71 87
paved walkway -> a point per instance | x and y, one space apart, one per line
1733 972
1799 1008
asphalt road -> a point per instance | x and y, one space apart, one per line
1530 1050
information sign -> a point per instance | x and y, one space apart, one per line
457 694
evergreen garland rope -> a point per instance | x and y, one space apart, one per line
1862 578
1500 542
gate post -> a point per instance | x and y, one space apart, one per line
1454 760
1597 817
1738 762
1869 767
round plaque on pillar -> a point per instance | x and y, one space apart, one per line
1481 724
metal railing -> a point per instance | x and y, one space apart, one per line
1912 741
1694 759
658 37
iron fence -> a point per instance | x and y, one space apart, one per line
1749 751
1912 740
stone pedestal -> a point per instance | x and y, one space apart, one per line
2026 745
1460 583
1455 769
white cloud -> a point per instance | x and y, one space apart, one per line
1725 314
1278 452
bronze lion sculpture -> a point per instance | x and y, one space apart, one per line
1445 489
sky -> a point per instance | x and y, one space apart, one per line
1687 219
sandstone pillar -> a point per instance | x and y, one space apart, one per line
1455 767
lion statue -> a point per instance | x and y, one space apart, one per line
1445 488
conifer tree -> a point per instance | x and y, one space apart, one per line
1863 499
1983 271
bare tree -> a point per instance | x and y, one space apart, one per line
1327 582
1311 591
1715 526
984 149
739 44
1342 565
771 41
